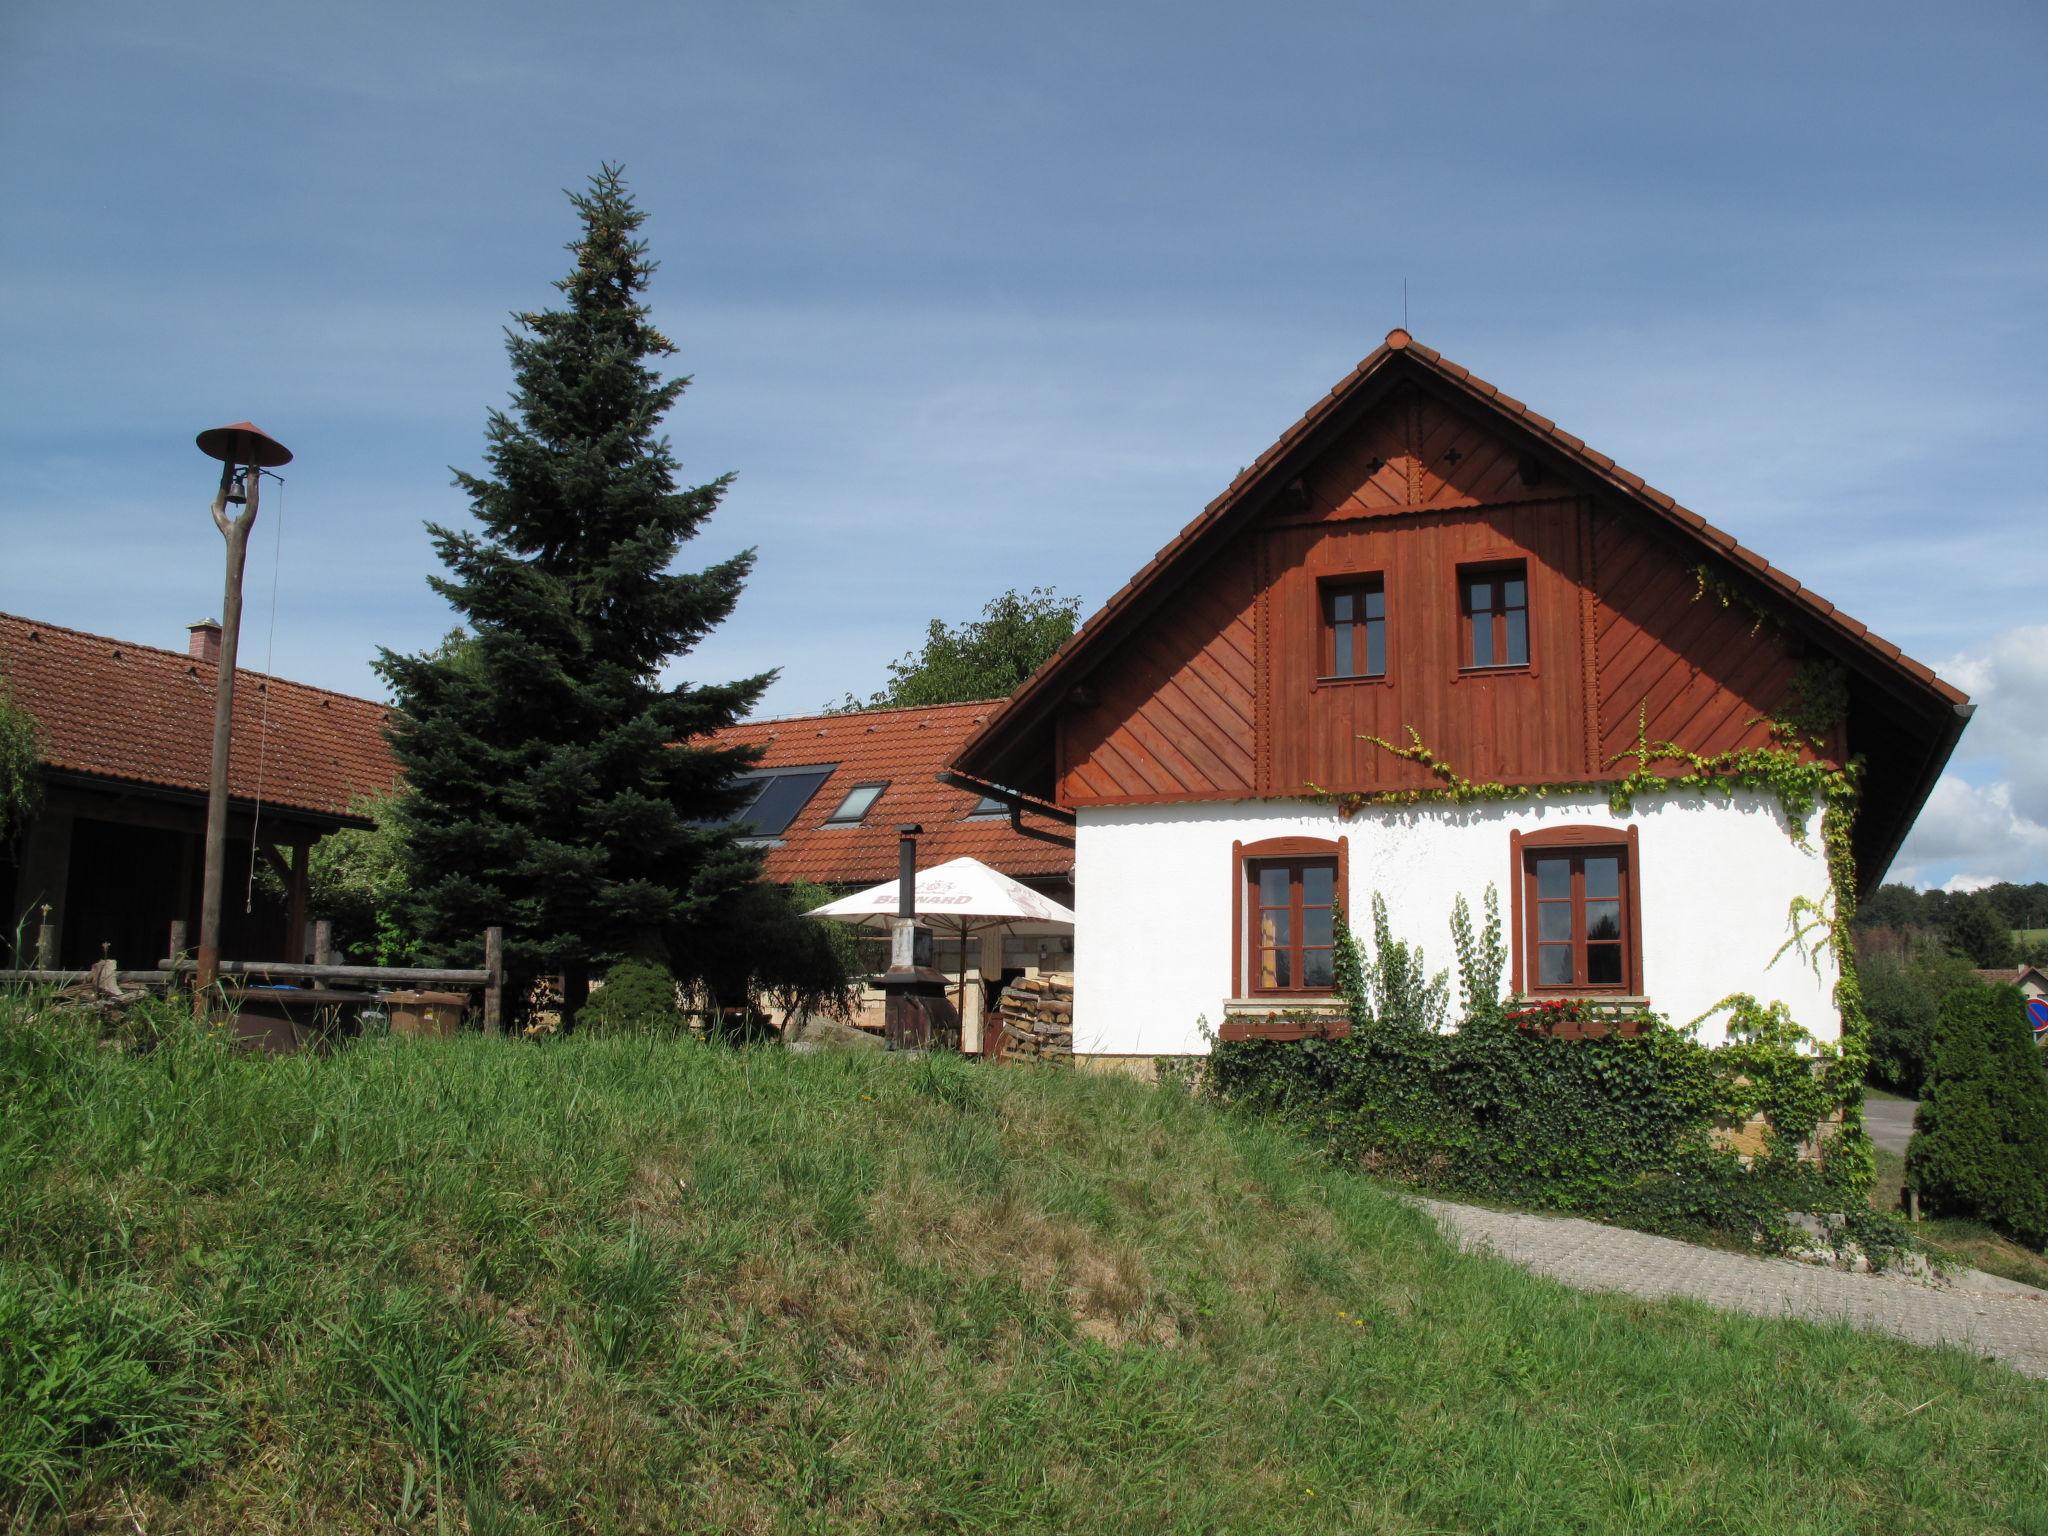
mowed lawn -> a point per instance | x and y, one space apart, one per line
613 1285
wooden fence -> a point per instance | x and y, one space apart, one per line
319 981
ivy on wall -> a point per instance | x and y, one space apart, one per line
1643 1124
1637 1125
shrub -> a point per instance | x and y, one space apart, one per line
1902 1011
1981 1147
638 998
1626 1125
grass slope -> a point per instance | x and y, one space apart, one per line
619 1286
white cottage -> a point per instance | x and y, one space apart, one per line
1422 583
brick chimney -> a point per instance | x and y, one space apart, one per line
205 642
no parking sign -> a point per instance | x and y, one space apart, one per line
2037 1015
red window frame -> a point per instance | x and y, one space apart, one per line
1293 854
1574 846
1369 631
1501 617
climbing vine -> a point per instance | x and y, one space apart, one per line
1488 1109
1638 1121
1709 583
20 783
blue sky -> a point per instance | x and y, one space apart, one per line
982 297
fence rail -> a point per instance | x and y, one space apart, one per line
175 967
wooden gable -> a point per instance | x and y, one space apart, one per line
1200 680
1221 696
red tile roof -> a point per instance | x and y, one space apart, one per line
142 715
906 748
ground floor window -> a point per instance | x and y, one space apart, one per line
1577 911
1288 891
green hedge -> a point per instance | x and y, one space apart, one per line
1622 1128
1980 1148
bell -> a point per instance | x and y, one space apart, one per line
238 489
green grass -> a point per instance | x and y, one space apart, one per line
607 1285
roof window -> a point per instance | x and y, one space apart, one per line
858 802
779 794
989 805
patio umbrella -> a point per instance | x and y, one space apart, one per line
962 896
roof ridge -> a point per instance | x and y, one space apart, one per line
188 657
858 714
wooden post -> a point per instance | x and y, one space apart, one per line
235 531
177 949
494 989
323 943
295 903
1913 1204
46 942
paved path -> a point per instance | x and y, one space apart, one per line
1890 1122
2001 1318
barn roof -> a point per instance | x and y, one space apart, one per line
136 714
904 749
1925 715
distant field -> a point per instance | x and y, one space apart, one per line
592 1285
2030 935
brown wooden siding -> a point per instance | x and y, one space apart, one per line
1514 723
1172 717
1219 697
1415 451
1712 675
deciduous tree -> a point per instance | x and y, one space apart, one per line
985 658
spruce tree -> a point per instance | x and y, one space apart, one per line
556 786
1980 1142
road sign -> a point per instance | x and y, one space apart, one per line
2037 1014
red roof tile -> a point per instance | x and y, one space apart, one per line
143 715
906 748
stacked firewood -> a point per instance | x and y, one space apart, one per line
1036 1014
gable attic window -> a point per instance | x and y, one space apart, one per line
1494 611
1354 627
779 795
1578 912
858 802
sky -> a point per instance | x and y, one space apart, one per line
982 297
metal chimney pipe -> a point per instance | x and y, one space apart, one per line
906 868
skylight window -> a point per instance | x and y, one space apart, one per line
989 805
779 794
859 800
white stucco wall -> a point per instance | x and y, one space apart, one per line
1153 887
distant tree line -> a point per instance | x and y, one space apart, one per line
1978 925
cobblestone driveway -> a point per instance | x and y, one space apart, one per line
1994 1317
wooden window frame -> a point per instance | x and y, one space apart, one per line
1507 568
1356 585
1579 840
1245 859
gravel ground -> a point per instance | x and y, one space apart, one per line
2000 1318
1890 1122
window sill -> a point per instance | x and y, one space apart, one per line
1587 995
1467 674
1375 680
